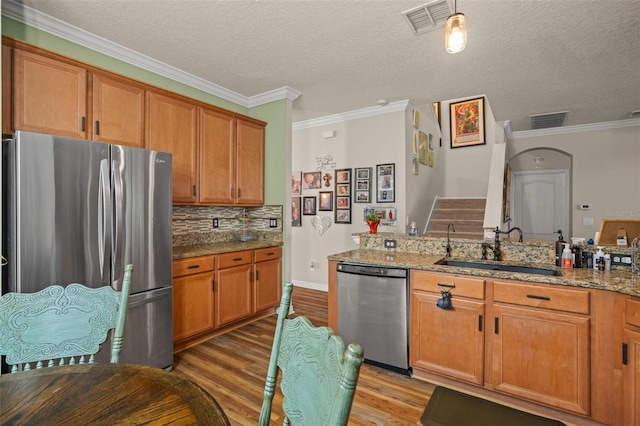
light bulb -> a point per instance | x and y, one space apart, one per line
456 33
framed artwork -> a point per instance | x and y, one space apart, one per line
362 186
343 189
415 142
343 203
326 201
385 183
295 211
343 216
467 123
416 118
414 164
312 180
296 183
436 112
309 205
422 149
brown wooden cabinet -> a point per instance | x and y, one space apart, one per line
171 127
541 344
449 342
631 362
267 284
193 296
7 125
118 111
233 287
231 159
49 96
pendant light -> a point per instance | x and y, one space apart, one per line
455 34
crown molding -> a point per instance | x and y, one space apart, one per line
607 125
66 31
352 115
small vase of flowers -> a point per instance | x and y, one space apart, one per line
373 221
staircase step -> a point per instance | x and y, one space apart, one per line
461 235
461 203
459 225
452 214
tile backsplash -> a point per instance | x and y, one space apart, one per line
194 224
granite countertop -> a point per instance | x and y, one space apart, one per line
620 280
182 252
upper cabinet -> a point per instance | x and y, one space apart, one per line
231 159
118 111
49 96
171 127
218 155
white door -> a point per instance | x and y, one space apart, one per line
540 203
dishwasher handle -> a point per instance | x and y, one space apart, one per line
371 270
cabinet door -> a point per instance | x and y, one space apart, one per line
49 96
631 381
233 294
193 305
217 153
7 125
449 342
171 127
266 290
118 112
249 163
542 356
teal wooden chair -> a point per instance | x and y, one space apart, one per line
318 376
63 324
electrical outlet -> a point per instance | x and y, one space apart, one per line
214 223
621 259
273 223
390 244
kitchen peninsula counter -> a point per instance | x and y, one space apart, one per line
620 280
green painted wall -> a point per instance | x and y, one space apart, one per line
274 113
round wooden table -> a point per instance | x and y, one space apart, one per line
104 394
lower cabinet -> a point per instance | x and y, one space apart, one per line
193 296
631 363
448 341
234 282
211 292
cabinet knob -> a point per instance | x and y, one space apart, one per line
97 127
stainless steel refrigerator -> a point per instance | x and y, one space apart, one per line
79 211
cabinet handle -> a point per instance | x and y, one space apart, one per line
97 127
195 190
479 322
213 285
270 253
83 123
535 296
625 355
193 266
257 272
239 192
237 259
496 325
233 192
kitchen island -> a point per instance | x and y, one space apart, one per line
559 346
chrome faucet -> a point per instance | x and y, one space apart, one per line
497 252
448 249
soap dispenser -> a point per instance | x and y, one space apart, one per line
597 258
567 257
559 245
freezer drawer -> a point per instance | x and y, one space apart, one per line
148 332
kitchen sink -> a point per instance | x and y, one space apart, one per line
503 268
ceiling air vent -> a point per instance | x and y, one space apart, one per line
544 121
428 17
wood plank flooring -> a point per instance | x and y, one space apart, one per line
233 367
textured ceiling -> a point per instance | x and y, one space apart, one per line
526 56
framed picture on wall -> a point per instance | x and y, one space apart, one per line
385 183
309 205
296 183
467 123
362 185
295 211
312 180
326 201
343 216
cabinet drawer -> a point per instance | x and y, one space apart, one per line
193 265
268 253
464 286
236 258
632 312
559 299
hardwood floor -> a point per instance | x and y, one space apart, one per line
233 367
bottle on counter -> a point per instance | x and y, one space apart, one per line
559 246
413 231
607 262
567 257
598 260
576 249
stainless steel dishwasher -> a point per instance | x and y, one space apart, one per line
373 310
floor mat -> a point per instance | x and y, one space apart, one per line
447 407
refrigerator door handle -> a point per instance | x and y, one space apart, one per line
119 225
104 220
